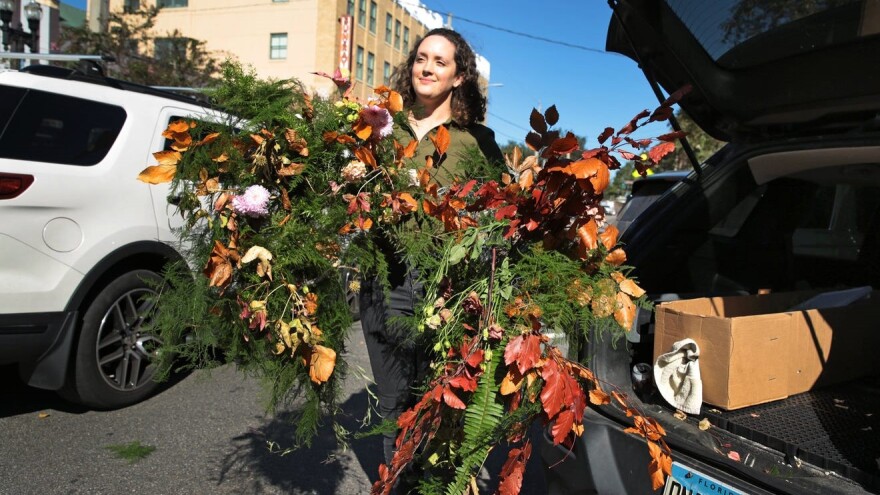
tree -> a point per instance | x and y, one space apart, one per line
703 145
142 56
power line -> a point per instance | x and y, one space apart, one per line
531 36
502 119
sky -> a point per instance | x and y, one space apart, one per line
590 88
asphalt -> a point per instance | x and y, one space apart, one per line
211 433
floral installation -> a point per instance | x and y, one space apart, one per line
276 204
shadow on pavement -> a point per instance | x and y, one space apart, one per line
297 471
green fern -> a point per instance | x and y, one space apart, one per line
484 414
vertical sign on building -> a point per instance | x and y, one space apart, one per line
346 24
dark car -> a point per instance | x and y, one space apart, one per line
644 193
791 203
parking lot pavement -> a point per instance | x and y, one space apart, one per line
211 436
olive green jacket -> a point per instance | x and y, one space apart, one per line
461 138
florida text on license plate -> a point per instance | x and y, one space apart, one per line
686 481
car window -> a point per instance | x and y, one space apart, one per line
53 128
642 197
744 33
10 97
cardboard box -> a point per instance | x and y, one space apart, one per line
752 350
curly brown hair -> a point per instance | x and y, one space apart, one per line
468 102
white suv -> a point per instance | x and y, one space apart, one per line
80 236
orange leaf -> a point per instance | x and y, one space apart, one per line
599 397
627 286
625 312
157 174
609 237
602 178
616 257
363 130
656 473
365 155
589 234
512 381
167 157
410 150
321 363
441 140
208 139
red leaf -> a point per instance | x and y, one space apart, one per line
562 426
677 95
552 115
533 139
464 382
511 475
536 120
441 140
553 394
562 146
672 136
661 114
605 135
508 211
525 351
451 399
658 152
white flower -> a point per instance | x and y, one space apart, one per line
354 171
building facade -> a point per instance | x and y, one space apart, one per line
365 39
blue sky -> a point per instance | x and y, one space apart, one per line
590 89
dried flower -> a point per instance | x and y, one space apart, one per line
354 171
253 203
379 119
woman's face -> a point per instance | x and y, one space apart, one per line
434 71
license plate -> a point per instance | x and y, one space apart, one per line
687 481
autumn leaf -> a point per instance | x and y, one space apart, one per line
551 115
512 381
321 363
452 400
672 136
588 234
627 286
658 152
362 129
365 155
525 351
264 267
533 140
625 311
210 138
158 174
441 140
536 120
219 266
608 237
599 397
605 134
616 257
511 476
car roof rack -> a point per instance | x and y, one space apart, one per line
91 71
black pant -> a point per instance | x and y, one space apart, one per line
398 362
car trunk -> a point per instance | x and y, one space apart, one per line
749 227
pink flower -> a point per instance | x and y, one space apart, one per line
379 119
253 203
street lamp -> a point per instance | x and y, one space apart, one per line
15 39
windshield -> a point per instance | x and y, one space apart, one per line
744 33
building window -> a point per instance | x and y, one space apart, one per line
362 13
351 7
406 39
359 64
373 13
396 34
278 46
386 73
130 6
169 48
371 68
172 3
388 21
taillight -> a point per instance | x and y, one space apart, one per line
11 185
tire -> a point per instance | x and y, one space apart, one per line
113 362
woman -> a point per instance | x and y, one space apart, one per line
439 82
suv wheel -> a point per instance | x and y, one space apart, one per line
113 364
